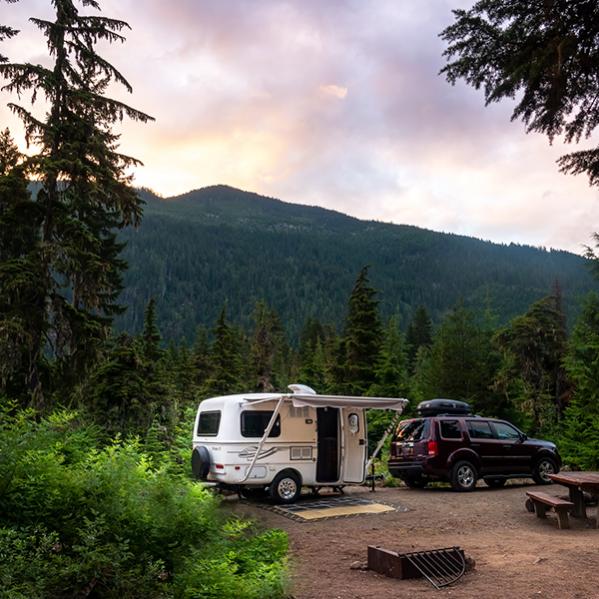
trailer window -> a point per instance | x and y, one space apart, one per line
208 424
254 423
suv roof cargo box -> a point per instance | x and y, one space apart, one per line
433 407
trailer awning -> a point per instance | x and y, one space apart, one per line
335 401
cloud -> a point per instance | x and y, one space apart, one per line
335 103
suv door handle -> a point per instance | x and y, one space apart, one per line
506 446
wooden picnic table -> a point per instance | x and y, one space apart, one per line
577 483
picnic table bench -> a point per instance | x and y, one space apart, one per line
541 502
577 483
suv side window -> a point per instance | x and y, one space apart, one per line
480 429
450 429
506 431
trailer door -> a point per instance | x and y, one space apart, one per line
354 445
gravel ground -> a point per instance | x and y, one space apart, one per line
517 555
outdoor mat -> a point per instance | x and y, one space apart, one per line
320 508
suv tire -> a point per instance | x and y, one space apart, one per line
463 476
542 468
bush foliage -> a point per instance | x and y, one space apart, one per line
78 519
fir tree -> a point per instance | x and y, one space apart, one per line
21 278
545 54
267 349
7 32
200 358
362 337
85 194
419 334
150 336
580 438
391 370
534 346
461 361
226 359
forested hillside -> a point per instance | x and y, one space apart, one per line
197 251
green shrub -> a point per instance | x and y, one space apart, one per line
79 520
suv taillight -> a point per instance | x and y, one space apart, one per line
432 448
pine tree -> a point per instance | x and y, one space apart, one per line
391 370
362 338
544 54
580 437
459 368
85 194
200 358
150 336
7 32
21 279
534 346
268 349
226 359
419 334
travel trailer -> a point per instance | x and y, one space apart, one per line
276 443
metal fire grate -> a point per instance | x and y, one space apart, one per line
441 567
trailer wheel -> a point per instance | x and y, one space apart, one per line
200 462
285 487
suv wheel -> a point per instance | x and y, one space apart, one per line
415 483
542 469
463 477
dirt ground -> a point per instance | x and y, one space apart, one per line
517 555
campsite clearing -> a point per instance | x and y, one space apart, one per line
515 555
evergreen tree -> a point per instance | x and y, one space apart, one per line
316 349
391 374
362 338
580 438
391 370
267 350
226 359
543 53
534 346
200 358
21 279
459 360
7 32
85 194
419 334
122 398
150 336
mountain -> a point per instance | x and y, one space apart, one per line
196 251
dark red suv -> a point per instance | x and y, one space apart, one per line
447 443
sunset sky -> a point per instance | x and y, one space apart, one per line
336 103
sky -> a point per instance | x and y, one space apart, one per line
335 103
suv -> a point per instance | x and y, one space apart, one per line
448 443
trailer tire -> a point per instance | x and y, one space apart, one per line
200 462
285 487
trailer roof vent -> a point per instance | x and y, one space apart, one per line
435 407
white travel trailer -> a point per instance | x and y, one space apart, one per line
278 443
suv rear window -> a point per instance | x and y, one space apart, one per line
480 429
450 429
209 424
412 430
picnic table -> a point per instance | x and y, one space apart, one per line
577 483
